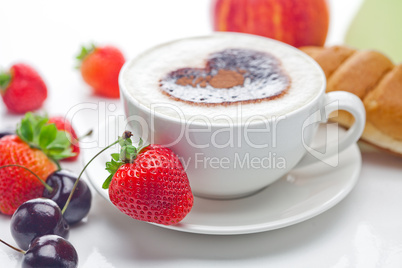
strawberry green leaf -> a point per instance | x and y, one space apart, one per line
141 143
62 155
55 151
131 153
85 51
47 135
113 166
25 130
107 182
116 156
38 123
60 147
131 150
38 133
62 139
128 141
122 142
5 79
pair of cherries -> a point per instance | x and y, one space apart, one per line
42 216
41 227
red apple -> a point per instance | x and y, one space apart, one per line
295 22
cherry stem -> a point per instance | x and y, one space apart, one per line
82 171
16 249
47 186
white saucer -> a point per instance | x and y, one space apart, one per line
301 195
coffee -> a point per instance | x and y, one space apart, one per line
232 75
239 110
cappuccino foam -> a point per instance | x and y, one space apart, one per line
148 79
230 76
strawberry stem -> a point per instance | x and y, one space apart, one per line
16 249
82 171
47 186
89 133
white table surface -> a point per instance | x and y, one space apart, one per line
363 230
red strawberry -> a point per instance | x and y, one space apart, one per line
100 67
149 184
16 184
37 147
63 124
22 89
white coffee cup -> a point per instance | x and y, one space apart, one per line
241 151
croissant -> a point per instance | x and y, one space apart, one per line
374 78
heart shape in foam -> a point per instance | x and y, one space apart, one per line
230 76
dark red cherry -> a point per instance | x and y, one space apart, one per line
62 182
35 218
5 133
50 251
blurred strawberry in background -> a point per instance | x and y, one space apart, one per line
22 89
100 67
295 22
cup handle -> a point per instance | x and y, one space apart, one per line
337 100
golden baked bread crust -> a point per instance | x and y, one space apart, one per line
359 73
383 104
330 59
373 77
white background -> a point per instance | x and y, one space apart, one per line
364 230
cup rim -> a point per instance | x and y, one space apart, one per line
124 94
